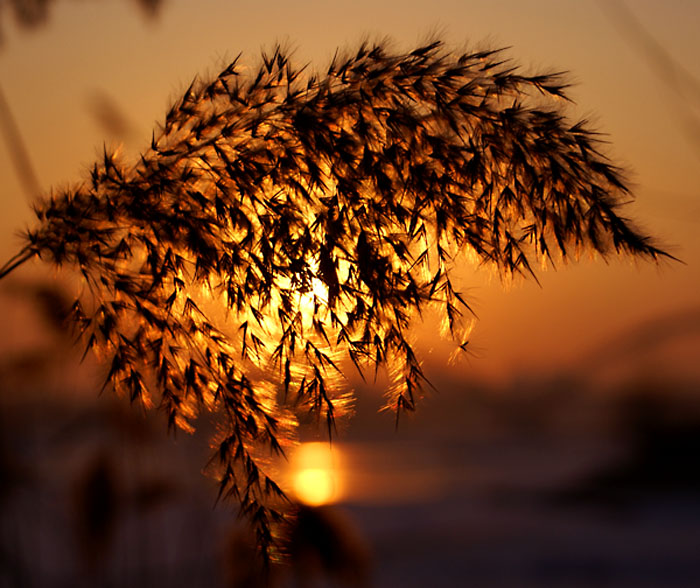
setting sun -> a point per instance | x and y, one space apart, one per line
316 474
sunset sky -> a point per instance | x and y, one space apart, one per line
56 77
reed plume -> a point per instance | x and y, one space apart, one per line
323 211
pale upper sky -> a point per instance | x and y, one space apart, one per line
51 76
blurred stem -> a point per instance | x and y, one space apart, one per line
684 85
17 260
18 150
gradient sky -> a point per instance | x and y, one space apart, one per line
52 75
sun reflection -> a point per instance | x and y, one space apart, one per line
315 472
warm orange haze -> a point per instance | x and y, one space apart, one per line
578 394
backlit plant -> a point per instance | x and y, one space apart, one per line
285 225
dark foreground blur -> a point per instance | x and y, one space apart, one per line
550 481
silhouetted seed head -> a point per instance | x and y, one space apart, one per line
282 223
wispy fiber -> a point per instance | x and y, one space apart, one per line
324 212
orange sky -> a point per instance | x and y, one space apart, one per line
52 75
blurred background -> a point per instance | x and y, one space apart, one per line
562 452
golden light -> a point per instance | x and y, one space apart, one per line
313 302
316 474
314 486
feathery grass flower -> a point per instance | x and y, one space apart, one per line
324 212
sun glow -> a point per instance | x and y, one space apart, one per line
314 300
316 475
